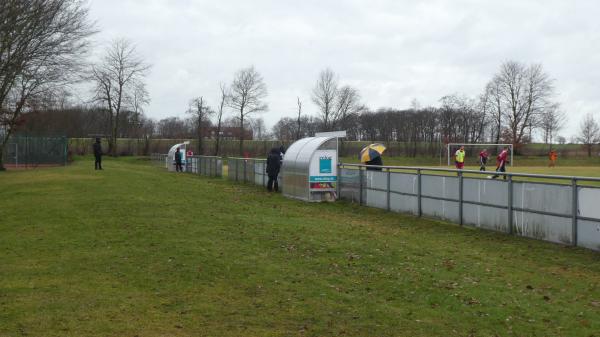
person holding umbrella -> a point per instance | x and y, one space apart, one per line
371 155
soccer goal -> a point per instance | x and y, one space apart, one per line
493 150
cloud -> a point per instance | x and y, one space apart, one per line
392 51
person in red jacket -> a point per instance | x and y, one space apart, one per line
501 161
483 158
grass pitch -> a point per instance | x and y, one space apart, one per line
136 251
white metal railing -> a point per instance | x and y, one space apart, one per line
542 210
204 165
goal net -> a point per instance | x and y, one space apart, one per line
472 152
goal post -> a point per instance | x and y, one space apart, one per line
454 146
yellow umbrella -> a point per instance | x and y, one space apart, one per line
371 152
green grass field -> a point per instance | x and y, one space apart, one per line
136 251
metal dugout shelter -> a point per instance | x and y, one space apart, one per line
309 170
170 160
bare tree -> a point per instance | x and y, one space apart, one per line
247 93
324 96
347 105
259 130
223 102
138 99
298 120
525 93
589 133
492 98
42 44
552 120
201 112
117 76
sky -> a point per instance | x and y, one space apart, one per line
392 51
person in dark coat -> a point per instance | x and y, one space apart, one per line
273 167
178 166
98 154
375 161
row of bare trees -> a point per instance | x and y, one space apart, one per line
515 104
43 49
244 97
119 86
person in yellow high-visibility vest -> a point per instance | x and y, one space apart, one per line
459 158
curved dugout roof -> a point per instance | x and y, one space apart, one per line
171 155
296 165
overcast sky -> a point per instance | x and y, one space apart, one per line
392 51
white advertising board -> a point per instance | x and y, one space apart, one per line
323 170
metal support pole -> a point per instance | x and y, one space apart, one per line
388 188
245 169
460 198
360 183
419 206
574 211
236 168
509 205
338 183
264 173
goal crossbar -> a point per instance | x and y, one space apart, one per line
449 145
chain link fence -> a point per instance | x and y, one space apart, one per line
31 151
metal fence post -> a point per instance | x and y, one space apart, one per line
388 188
264 173
460 197
338 183
509 203
245 169
574 210
419 206
236 169
360 184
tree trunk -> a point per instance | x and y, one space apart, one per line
218 140
2 146
241 135
200 144
115 127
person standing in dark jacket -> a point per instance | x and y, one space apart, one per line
178 166
376 162
98 154
273 167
